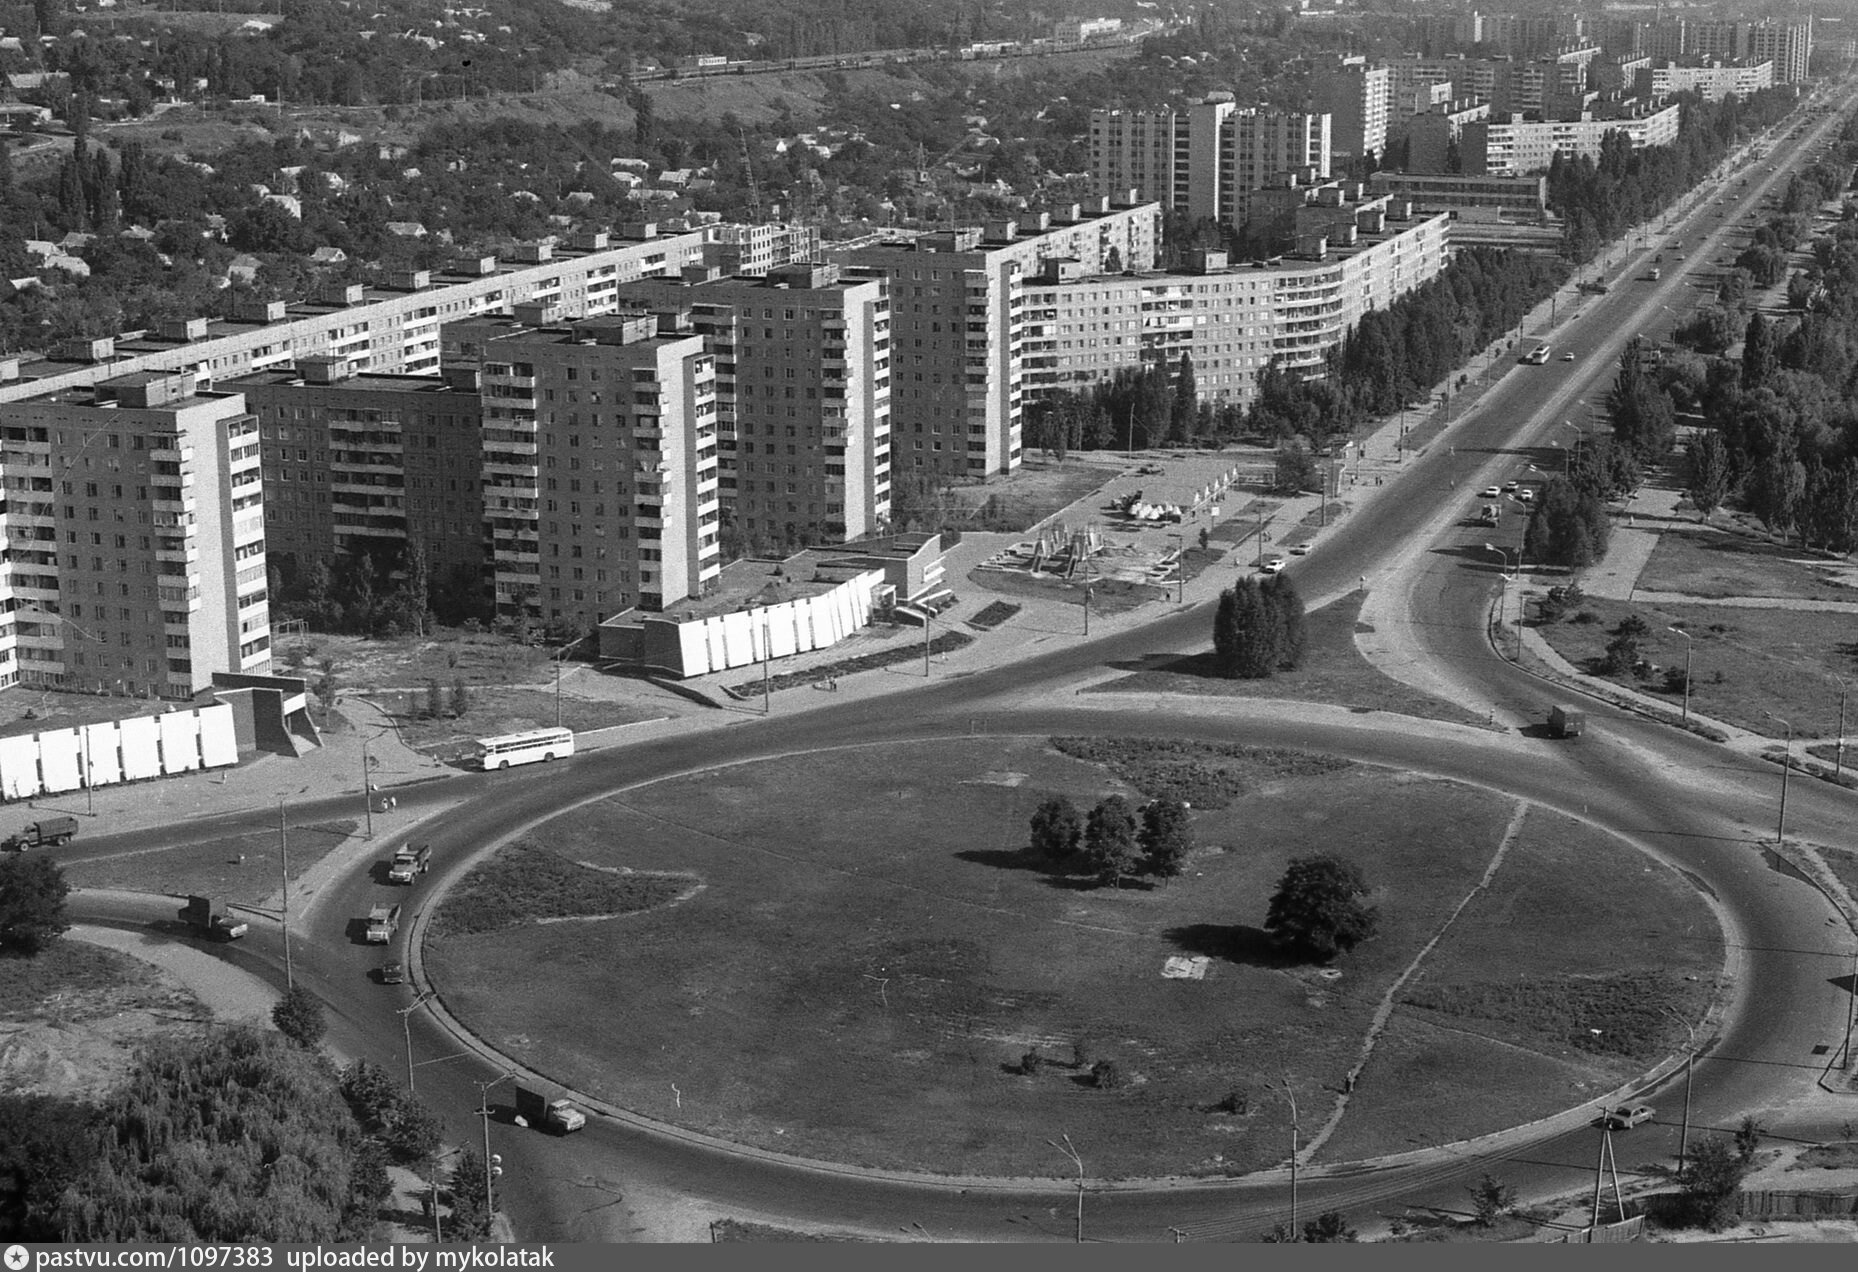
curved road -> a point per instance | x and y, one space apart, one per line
1670 793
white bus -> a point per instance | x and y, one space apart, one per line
524 748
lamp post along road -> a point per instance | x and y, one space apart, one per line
1780 825
484 1112
1688 643
367 790
283 867
1838 752
1690 1065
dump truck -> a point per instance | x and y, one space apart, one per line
409 863
1490 515
209 917
383 922
49 833
1566 722
539 1111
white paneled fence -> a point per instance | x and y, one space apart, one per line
113 751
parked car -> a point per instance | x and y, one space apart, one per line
1493 492
1299 549
1567 357
1509 487
1627 1116
1273 565
1526 494
393 974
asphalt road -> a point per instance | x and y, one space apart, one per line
1670 793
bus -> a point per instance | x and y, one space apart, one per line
1538 357
524 748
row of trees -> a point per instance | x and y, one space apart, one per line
1115 842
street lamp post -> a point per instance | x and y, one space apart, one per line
1688 644
1838 753
1780 825
484 1112
367 789
1180 565
406 1028
1077 1159
283 866
1503 596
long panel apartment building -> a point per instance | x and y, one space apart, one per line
803 372
1233 320
134 522
958 322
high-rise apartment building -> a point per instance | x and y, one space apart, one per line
1516 147
135 527
359 462
1789 45
600 464
1356 97
803 371
957 303
1204 159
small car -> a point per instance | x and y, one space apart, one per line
393 974
1299 549
1567 357
1493 492
1273 565
1526 495
1627 1116
1509 487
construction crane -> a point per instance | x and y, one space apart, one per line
748 175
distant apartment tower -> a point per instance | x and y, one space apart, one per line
1789 45
1204 159
957 322
135 518
756 249
1515 147
803 395
365 463
1357 98
599 464
1712 83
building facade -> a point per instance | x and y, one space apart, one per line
135 528
957 302
1357 98
1712 83
1204 159
599 466
1515 147
803 372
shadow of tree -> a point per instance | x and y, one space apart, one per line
1232 942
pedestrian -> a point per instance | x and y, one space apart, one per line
393 801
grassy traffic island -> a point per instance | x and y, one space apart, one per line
848 955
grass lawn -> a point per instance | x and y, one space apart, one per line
1333 672
1497 1027
1717 563
241 868
1040 487
70 983
1767 660
490 712
861 987
1843 864
26 711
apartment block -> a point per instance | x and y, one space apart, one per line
1788 45
394 329
134 521
1514 147
360 462
1204 159
1434 140
957 302
1232 320
1357 98
1712 83
599 463
803 387
758 248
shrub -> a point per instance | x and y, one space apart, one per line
299 1017
1031 1063
1107 1075
1237 1102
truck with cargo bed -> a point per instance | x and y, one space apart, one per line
383 922
1566 722
409 863
49 833
209 917
555 1115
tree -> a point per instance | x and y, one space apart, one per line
32 904
1110 841
1491 1199
298 1015
1567 527
1759 345
370 1092
469 1220
1057 829
461 697
1320 908
411 1131
1167 836
1330 1227
1708 483
1282 598
434 699
1258 628
1775 489
45 1145
1185 408
1297 469
1710 1180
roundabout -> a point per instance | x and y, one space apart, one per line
850 955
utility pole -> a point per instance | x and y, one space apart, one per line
484 1113
1690 1065
283 849
367 790
406 1029
928 618
1688 643
1780 825
1838 760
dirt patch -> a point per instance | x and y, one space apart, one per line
1333 672
72 1018
889 964
451 655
